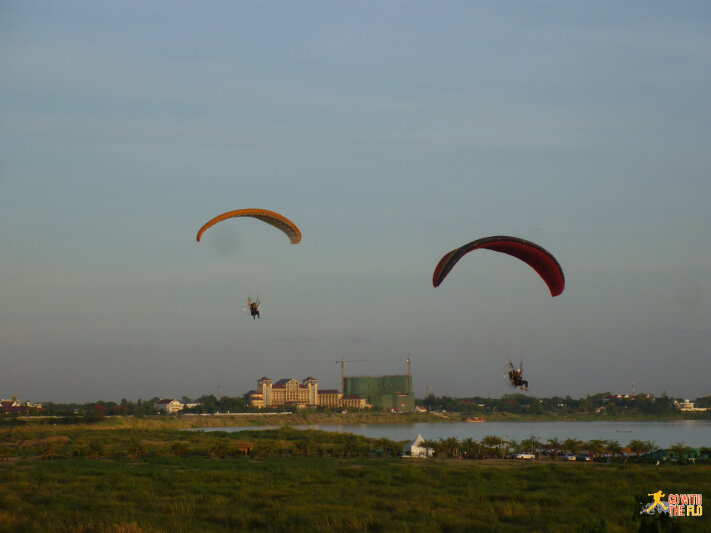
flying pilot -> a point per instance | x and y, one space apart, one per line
516 377
254 308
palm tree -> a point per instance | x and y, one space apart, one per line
613 448
468 444
680 450
393 447
452 446
638 447
430 445
555 444
531 444
383 445
515 445
595 447
491 442
437 446
572 445
651 446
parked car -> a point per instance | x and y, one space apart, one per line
582 457
527 456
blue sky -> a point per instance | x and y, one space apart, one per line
390 133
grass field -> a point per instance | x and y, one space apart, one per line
82 479
314 494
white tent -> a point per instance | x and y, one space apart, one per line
415 448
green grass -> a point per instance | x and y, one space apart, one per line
88 479
312 494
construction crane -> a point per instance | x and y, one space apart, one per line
343 370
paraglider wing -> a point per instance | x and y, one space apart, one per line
270 217
530 253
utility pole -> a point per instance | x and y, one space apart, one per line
343 362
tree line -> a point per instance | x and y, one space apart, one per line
493 446
597 404
519 404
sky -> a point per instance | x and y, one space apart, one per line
390 133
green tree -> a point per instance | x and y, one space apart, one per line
531 444
452 446
437 446
492 442
613 448
468 444
638 447
514 444
572 445
595 447
651 445
555 445
681 451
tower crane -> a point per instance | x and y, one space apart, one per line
343 362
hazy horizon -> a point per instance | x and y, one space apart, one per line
390 134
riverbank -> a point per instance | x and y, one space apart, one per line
189 421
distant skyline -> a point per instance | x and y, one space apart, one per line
390 133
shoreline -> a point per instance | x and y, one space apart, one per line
187 421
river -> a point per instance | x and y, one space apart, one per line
694 433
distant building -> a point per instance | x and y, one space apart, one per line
383 392
330 398
290 392
168 406
688 406
15 407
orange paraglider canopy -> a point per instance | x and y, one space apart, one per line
270 217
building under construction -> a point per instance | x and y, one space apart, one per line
361 392
382 392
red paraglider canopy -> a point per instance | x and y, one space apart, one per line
538 258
